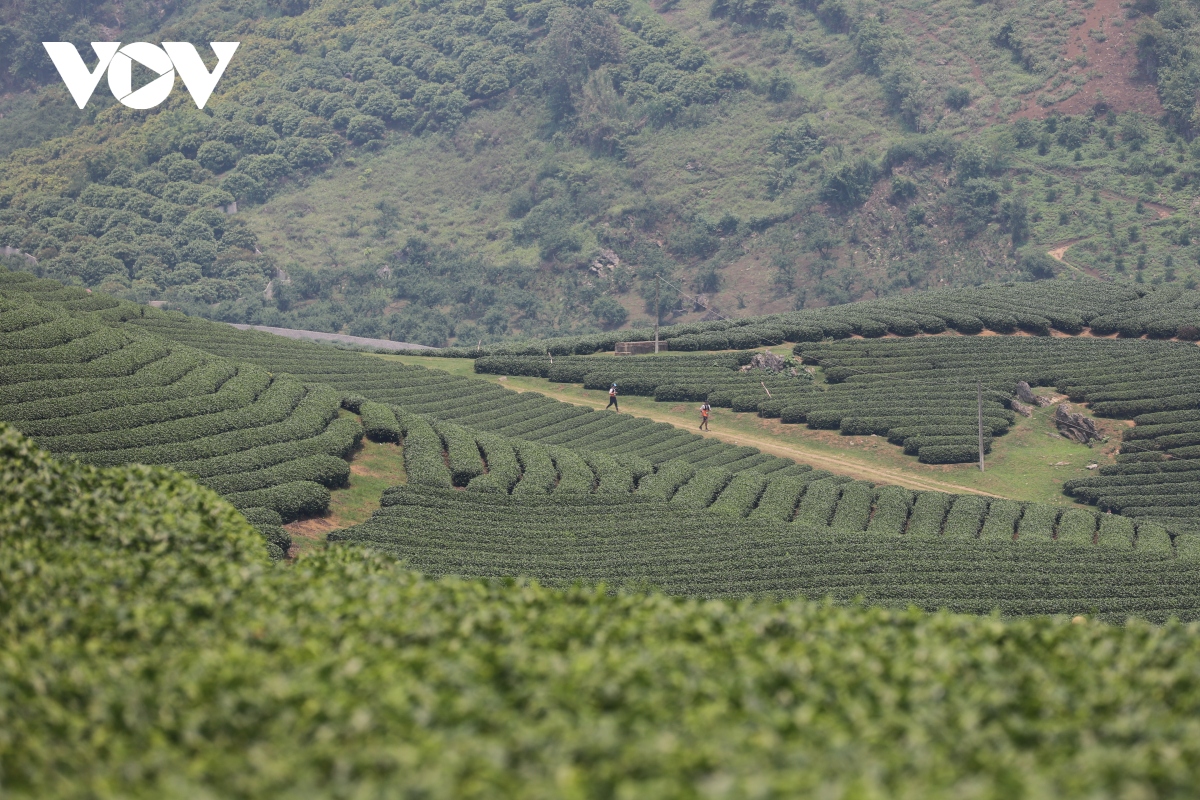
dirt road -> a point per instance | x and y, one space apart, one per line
321 336
843 465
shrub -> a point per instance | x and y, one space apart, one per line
849 184
958 97
379 422
217 156
364 127
948 454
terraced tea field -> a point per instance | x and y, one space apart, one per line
498 482
105 395
677 548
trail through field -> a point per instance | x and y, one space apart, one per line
840 464
1061 250
341 338
374 467
1059 253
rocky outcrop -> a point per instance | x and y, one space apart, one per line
766 361
1021 408
1026 396
1075 427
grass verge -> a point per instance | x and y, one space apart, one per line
374 466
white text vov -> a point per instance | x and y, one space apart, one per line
118 61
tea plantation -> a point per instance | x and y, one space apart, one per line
921 392
245 434
662 647
679 549
150 650
1069 307
485 406
84 384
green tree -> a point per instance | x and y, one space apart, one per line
609 312
363 127
1014 214
819 235
217 156
958 97
849 184
780 87
579 40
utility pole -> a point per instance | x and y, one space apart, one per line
979 399
657 314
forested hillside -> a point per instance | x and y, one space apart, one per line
441 172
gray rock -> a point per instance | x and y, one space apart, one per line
1075 427
766 361
1026 396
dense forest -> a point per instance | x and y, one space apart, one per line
474 171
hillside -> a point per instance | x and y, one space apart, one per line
256 417
930 266
352 675
470 172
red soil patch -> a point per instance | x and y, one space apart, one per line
1114 59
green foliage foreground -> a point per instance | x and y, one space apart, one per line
148 648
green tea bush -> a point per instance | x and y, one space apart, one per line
820 501
538 474
778 503
741 496
379 422
702 489
503 469
574 475
612 476
854 507
155 590
666 480
966 517
292 500
928 513
1038 523
462 452
892 507
327 470
424 460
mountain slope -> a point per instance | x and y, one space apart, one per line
467 171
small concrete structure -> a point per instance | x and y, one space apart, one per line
637 348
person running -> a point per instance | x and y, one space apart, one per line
612 398
705 408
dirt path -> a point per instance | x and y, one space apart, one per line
1163 211
1061 250
320 336
1059 253
840 464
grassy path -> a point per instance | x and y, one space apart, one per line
1029 463
373 468
843 465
